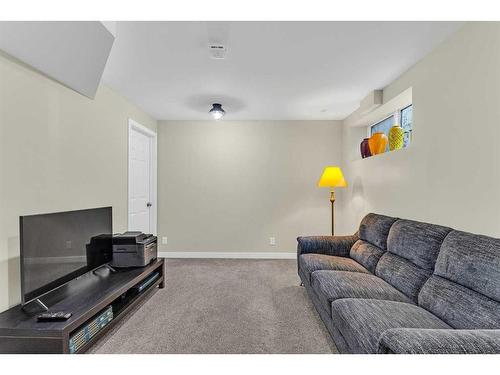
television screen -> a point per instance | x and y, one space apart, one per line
58 247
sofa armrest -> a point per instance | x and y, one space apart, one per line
329 245
439 341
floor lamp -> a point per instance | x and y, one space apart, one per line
332 177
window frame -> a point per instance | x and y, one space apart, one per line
393 115
397 120
401 115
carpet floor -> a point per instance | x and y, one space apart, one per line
223 306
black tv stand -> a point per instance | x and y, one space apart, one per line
105 265
85 297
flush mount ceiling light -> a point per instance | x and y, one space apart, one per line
217 112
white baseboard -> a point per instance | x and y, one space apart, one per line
222 254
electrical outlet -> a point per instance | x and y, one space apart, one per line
164 240
272 241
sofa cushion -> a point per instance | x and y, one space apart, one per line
308 263
362 321
412 250
440 341
417 242
471 260
366 254
332 285
465 288
402 274
458 306
374 229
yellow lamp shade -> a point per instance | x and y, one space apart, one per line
332 177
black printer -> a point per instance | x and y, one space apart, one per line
134 249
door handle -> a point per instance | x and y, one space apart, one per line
149 204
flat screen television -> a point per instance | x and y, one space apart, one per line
58 247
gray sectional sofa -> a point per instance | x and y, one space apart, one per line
401 286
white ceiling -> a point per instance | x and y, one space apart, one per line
273 70
73 53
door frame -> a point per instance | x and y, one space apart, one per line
134 125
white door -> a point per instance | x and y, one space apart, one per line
141 199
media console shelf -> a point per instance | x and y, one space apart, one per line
86 297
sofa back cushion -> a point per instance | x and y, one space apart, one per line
412 250
373 232
464 290
366 254
375 228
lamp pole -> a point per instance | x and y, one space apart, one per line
332 201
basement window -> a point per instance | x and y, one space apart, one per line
402 117
383 127
406 123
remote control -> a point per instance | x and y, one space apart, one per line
53 316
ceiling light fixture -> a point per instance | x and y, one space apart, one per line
217 112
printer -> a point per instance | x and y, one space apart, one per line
134 249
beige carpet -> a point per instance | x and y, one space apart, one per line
223 306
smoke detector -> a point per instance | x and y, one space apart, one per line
217 51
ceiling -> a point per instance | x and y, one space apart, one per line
72 53
272 70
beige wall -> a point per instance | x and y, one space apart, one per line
229 186
451 173
58 151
